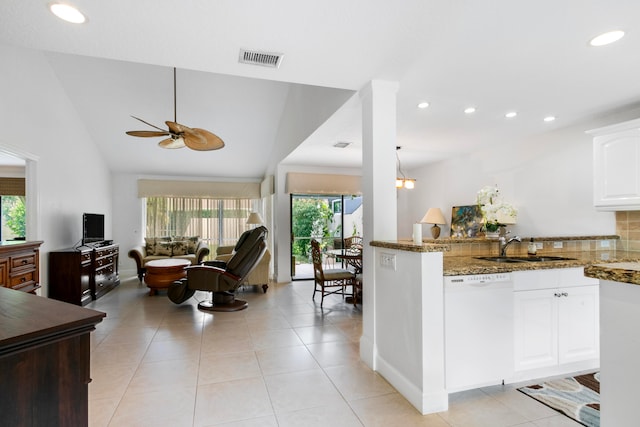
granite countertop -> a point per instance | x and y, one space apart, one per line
624 271
460 265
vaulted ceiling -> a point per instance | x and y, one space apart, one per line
497 56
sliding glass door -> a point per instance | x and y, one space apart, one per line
327 219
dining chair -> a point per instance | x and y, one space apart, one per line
328 281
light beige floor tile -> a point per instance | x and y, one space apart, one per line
275 338
555 421
335 353
226 345
179 331
231 401
215 368
101 411
521 403
269 421
393 410
319 334
170 408
115 354
171 350
163 376
480 412
110 381
339 414
301 390
286 359
357 381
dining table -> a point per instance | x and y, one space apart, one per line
352 257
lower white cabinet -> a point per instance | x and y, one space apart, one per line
556 316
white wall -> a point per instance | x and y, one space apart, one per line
547 177
36 117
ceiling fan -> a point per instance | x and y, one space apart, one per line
180 135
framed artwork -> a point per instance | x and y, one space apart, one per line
466 221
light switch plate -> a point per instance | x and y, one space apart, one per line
388 260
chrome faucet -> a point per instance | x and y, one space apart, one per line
504 243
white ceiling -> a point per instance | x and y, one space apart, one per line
500 55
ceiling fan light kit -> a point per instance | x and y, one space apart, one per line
180 136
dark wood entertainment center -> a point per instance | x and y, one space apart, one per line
81 275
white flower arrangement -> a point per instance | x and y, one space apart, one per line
495 211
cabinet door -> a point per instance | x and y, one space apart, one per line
578 324
617 170
536 329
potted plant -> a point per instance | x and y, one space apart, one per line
496 212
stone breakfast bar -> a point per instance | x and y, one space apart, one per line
406 343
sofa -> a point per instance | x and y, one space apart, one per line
191 248
259 276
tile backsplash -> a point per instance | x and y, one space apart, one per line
628 228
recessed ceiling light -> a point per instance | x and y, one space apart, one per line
511 114
470 110
607 38
423 104
341 144
549 118
67 13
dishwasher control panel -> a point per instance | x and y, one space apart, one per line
478 278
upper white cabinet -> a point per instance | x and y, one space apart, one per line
616 166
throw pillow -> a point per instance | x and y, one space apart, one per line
150 245
191 242
179 248
163 246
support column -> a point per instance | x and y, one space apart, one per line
378 194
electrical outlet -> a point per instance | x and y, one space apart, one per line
604 243
557 245
539 245
388 260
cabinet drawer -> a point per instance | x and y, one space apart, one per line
17 281
105 252
105 270
104 261
85 257
23 261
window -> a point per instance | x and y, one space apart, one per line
219 222
13 217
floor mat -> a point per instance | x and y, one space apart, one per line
576 397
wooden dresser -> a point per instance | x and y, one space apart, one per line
81 275
20 265
44 360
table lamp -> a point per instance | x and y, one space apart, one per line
254 219
434 216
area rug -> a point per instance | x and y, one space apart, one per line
576 397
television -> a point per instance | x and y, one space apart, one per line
92 228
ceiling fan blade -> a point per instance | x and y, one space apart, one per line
172 143
148 124
147 133
177 128
202 140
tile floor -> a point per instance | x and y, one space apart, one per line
281 362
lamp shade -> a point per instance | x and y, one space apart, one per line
254 219
433 216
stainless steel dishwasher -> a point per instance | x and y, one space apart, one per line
478 330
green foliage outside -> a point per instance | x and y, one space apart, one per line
311 219
14 215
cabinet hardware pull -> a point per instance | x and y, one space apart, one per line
557 295
564 294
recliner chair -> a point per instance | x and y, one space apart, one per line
220 278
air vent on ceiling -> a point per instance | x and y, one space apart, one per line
266 59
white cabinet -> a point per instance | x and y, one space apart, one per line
556 316
616 166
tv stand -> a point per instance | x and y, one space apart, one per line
83 274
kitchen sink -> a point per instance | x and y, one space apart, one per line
508 259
